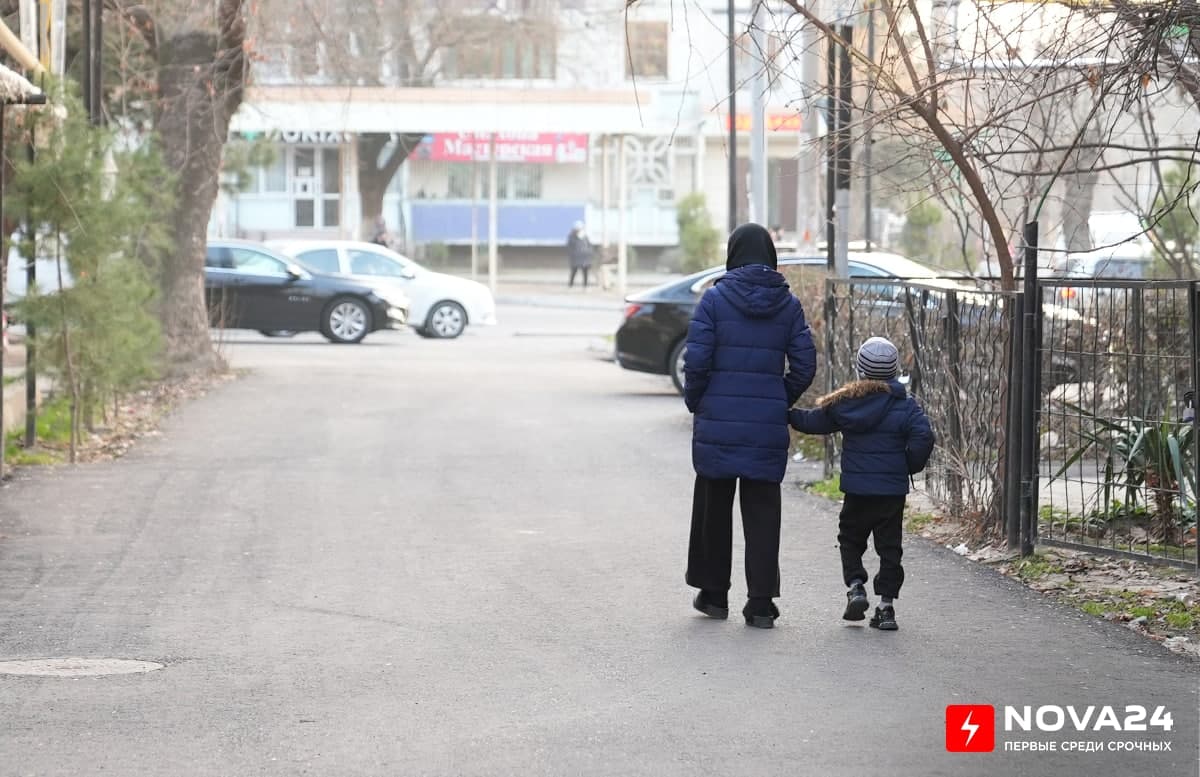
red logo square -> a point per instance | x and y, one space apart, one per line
970 728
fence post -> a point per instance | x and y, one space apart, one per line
1194 320
1012 424
1138 314
830 318
915 376
954 481
1029 391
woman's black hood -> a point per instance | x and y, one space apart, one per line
750 244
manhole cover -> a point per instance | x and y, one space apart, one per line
76 667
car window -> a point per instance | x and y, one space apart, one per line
1128 269
218 257
320 260
255 263
877 290
371 263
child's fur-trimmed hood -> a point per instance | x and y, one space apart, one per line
855 390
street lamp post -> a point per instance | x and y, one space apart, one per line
733 166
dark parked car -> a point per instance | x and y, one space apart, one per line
651 339
249 286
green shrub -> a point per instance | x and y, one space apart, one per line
99 336
699 240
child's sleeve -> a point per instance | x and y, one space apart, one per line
816 421
918 446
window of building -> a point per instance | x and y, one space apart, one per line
515 50
514 181
524 182
460 181
273 177
646 50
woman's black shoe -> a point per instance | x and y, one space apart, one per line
856 603
713 609
884 618
760 614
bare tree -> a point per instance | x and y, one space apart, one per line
1019 105
184 66
405 43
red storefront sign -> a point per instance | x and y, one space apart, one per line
776 122
535 147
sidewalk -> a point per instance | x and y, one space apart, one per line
548 288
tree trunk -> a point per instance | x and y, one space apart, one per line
195 106
375 175
1080 192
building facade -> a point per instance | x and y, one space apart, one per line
591 106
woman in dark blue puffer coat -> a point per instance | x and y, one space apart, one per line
749 358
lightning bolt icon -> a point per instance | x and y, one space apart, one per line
970 728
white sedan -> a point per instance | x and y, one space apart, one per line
441 305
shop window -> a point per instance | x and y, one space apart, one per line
646 50
273 177
331 171
514 181
524 182
305 213
333 212
459 181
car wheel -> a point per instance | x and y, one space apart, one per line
346 320
675 363
277 332
446 320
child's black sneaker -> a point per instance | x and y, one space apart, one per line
760 613
856 603
711 604
884 618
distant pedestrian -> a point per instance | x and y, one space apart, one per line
749 357
886 439
579 253
380 235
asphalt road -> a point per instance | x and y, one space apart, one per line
413 557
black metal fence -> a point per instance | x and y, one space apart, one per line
954 346
1115 464
1118 450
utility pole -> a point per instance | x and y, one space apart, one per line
733 154
758 136
622 223
97 62
605 189
831 155
493 215
86 81
868 208
845 95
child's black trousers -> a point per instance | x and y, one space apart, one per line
883 517
711 545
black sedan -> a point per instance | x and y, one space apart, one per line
249 286
651 339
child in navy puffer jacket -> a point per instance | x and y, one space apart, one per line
886 438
